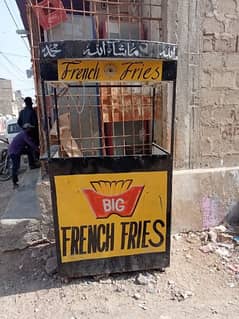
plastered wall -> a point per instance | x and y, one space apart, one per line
219 84
207 118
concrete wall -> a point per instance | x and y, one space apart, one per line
207 129
203 197
182 25
219 83
207 117
6 97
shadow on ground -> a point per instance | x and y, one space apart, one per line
23 271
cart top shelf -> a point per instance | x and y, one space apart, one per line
110 48
108 60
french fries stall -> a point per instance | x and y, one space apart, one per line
111 180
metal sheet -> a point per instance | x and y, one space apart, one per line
76 4
111 215
108 49
108 70
131 238
49 71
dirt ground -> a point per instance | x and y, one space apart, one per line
6 191
5 188
202 282
196 285
5 195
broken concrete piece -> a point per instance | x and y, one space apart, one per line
207 248
143 307
19 234
236 240
177 236
234 268
51 266
181 295
220 228
224 237
141 280
223 252
232 218
136 296
212 236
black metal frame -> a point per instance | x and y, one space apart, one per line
105 86
76 166
113 164
107 48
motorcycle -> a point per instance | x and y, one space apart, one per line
5 163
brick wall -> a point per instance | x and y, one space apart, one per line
183 27
6 97
207 116
219 84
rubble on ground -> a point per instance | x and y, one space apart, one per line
177 293
219 240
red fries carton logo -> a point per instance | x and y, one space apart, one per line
116 197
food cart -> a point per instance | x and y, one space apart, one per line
106 88
112 189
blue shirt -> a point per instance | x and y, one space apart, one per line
20 141
27 115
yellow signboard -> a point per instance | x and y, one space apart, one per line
110 70
109 215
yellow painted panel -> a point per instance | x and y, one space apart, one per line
110 70
108 215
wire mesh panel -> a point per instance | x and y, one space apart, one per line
106 120
102 69
128 119
124 19
78 122
102 121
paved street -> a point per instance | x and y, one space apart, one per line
2 144
24 202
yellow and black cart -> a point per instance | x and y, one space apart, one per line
109 109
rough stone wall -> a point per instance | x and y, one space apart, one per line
181 25
219 83
6 97
207 117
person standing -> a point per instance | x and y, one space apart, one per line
29 116
18 147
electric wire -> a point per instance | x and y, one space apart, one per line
18 81
13 7
11 72
17 55
12 64
13 19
